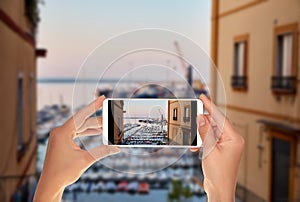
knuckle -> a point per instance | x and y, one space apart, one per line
240 142
99 120
54 133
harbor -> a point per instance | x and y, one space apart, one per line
134 173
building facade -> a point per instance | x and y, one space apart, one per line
18 145
118 110
179 122
255 45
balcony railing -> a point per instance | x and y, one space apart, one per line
284 85
186 119
239 82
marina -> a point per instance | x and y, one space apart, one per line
126 174
134 173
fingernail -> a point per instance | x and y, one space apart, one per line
201 121
114 150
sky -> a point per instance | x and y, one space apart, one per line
145 108
71 29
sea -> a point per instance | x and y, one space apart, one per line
154 195
65 92
77 93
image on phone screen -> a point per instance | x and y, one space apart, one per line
152 122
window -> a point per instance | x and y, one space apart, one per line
284 76
239 78
186 117
20 109
186 137
175 114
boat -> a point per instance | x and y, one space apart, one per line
197 190
141 177
162 178
108 176
152 178
143 188
133 187
118 177
122 186
110 187
82 187
131 177
100 186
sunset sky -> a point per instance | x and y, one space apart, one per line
145 108
71 29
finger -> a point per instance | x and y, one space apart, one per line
91 123
217 116
103 151
206 103
211 107
87 111
90 132
203 123
194 149
78 119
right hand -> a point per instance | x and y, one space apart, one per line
220 166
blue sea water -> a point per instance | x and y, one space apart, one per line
155 195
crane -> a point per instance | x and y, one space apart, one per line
187 70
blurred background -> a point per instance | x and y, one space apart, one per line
253 43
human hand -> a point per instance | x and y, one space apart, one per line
65 161
220 167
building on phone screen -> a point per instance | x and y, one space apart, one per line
179 122
255 45
118 110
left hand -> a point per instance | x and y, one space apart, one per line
65 161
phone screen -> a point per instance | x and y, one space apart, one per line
152 122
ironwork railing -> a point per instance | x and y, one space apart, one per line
281 84
239 82
186 119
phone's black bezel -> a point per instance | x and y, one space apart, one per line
111 125
193 123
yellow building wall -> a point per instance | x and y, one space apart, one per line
16 55
258 102
16 11
254 169
178 124
118 113
258 22
230 5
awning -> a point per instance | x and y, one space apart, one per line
279 126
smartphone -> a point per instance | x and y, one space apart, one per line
151 122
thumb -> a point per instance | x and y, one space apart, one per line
103 151
203 123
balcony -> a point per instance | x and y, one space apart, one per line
186 119
239 82
174 118
284 85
